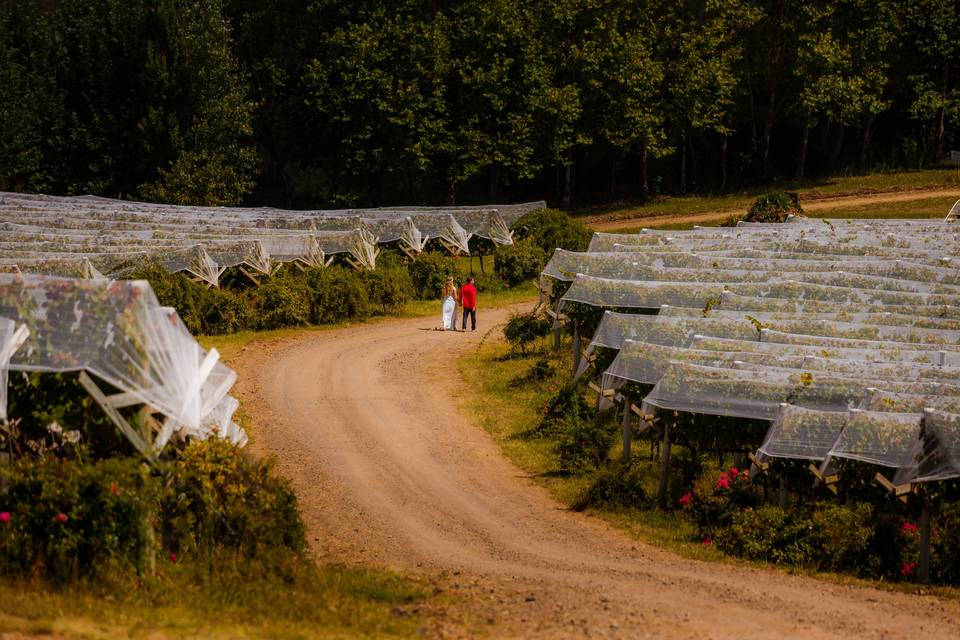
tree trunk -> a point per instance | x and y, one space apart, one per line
493 176
768 128
723 161
804 140
923 570
627 429
683 163
664 467
644 175
837 147
451 198
865 147
567 201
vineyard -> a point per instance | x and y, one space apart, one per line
824 356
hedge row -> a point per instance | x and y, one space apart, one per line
63 519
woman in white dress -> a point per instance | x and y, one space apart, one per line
449 297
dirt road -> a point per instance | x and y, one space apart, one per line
391 472
819 205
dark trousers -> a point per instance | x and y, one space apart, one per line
473 319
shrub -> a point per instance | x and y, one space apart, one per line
338 294
767 533
841 534
523 329
219 496
567 403
617 487
66 520
390 288
583 443
429 271
711 502
945 552
283 302
774 206
518 262
550 229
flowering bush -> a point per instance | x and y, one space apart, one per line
711 502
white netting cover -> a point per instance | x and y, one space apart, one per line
803 434
118 332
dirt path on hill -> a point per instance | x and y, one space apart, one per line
391 472
610 222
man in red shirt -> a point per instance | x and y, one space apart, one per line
468 300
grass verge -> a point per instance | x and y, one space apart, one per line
678 206
507 402
203 600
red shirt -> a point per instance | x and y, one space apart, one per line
468 296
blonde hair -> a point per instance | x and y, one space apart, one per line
449 288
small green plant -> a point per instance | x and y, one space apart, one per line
519 262
523 329
550 229
583 443
620 486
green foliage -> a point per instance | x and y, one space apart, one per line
519 262
283 302
566 403
67 520
550 229
767 533
338 294
772 207
583 443
220 496
712 502
620 486
390 288
523 329
429 271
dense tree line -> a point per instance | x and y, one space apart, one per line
360 102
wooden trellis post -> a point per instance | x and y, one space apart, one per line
576 348
627 428
923 570
664 466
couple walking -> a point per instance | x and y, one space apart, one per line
466 298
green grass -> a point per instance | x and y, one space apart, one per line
506 408
196 602
740 201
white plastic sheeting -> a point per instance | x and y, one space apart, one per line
844 334
90 235
117 331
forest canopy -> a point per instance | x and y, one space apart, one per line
359 103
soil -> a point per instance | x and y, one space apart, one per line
367 424
815 204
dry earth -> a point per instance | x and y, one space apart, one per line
391 473
610 222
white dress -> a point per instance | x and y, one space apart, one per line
449 306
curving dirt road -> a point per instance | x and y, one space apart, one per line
611 222
390 472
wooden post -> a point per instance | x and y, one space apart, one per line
782 498
923 572
664 466
556 338
576 349
627 429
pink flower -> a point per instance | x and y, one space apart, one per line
909 527
61 517
173 557
907 569
114 488
734 472
723 482
707 541
685 499
4 516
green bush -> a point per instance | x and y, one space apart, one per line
390 288
566 403
841 534
519 262
774 206
65 520
283 302
770 534
620 486
523 329
712 502
583 443
429 271
550 229
338 294
219 496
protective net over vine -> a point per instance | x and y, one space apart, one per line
843 334
83 235
117 332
